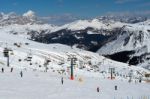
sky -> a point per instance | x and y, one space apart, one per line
82 8
86 8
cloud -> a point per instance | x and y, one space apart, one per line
60 19
124 1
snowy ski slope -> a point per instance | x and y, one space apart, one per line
91 70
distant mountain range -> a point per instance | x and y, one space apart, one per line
124 39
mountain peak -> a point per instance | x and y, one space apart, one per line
29 13
12 18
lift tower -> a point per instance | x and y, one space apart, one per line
73 60
6 54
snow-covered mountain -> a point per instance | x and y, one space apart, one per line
85 34
131 45
12 18
123 19
20 49
117 34
25 25
147 22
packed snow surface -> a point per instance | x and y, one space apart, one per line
41 85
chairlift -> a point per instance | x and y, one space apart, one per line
48 60
29 57
19 60
68 59
60 63
26 43
6 52
11 53
40 66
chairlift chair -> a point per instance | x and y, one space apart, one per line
6 52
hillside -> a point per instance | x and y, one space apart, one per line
134 40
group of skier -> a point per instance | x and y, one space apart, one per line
98 89
116 87
11 70
2 69
62 79
21 74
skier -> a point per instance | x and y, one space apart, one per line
140 80
62 80
21 74
2 70
116 87
11 70
97 89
